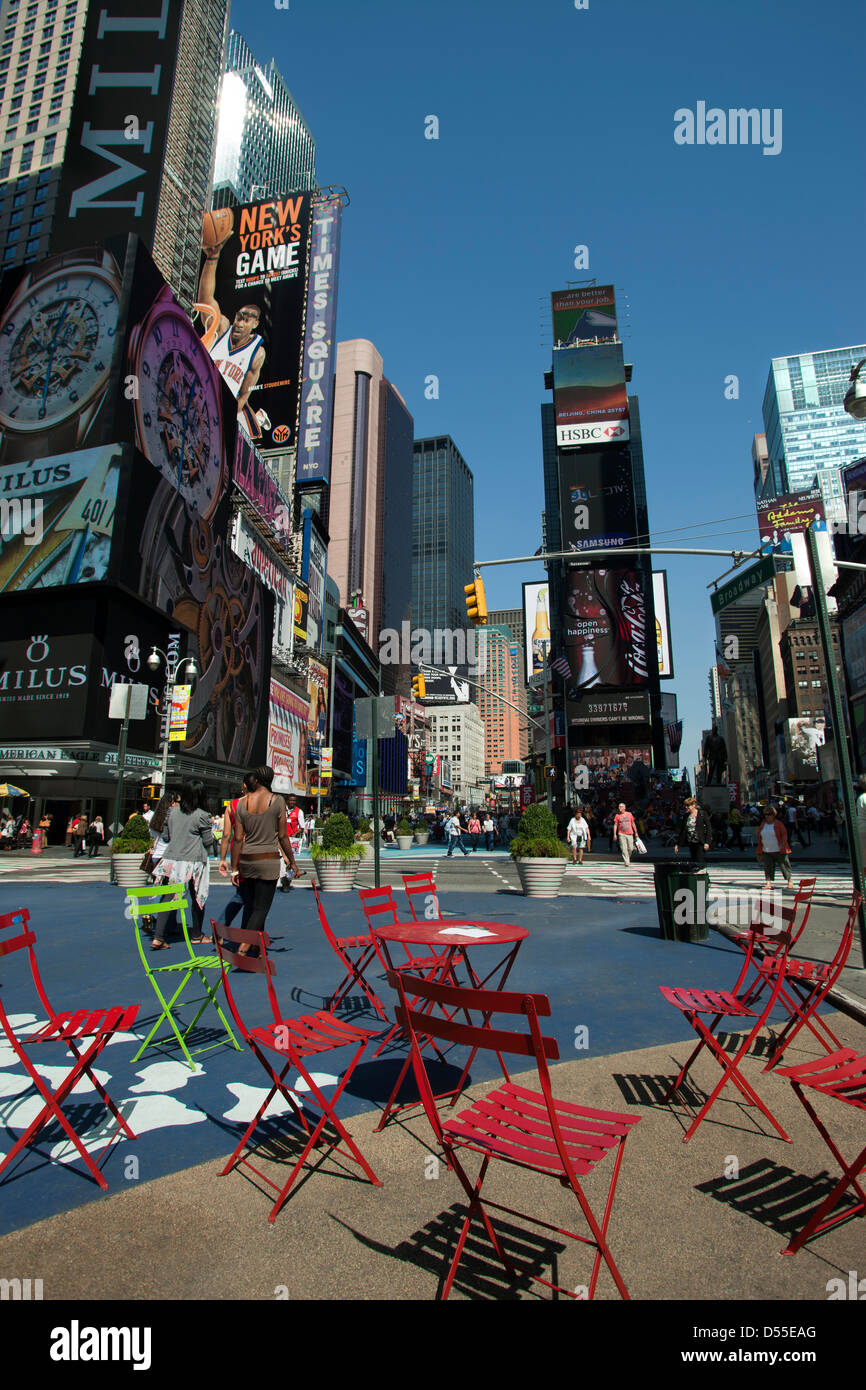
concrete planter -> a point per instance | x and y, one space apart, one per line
541 878
404 841
128 871
421 837
336 875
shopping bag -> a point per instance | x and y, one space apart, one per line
640 846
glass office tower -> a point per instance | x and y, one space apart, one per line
443 534
808 432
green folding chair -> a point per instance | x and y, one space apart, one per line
171 897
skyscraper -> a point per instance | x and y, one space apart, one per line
512 620
40 56
370 508
501 681
807 430
263 141
443 534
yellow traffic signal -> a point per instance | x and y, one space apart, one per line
419 687
150 793
476 603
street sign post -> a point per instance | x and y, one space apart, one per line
126 702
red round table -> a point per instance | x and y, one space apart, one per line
457 937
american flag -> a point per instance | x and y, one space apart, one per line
561 667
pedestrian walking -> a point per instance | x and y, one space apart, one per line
578 836
454 833
793 824
295 826
773 847
95 837
188 841
260 846
79 830
735 821
487 827
694 831
474 830
625 833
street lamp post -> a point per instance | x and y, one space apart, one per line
157 656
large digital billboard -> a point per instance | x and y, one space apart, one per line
605 628
589 395
320 344
251 299
596 499
780 517
583 315
596 707
57 519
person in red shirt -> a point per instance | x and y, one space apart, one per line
625 832
773 847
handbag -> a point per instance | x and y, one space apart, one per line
640 846
148 864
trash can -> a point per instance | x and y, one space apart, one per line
682 914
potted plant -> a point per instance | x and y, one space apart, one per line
422 832
404 834
364 837
539 854
338 856
128 849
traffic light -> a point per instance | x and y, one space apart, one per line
476 603
419 687
150 793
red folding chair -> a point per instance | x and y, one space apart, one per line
379 907
294 1039
92 1028
809 982
422 886
719 1004
842 1076
775 929
525 1128
357 954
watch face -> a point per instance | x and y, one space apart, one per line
56 343
178 417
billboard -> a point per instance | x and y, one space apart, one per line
805 737
780 517
583 315
450 689
605 634
320 344
663 624
287 740
536 627
113 162
251 477
302 599
314 568
589 395
252 550
251 299
609 762
854 642
59 335
596 499
619 708
57 519
318 676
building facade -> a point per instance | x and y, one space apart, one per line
457 734
443 534
503 724
807 430
263 142
512 618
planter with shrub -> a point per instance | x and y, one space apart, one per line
404 834
338 856
539 854
422 832
127 851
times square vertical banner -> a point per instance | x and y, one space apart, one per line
115 150
250 307
320 344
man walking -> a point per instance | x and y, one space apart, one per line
625 831
454 832
295 825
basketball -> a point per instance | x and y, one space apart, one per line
217 227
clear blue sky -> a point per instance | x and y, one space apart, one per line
556 129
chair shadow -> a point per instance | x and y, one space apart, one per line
655 932
650 1091
89 1119
776 1196
375 1080
203 1036
480 1275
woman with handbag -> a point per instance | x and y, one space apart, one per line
773 847
260 844
695 831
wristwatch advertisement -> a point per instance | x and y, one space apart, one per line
57 339
177 406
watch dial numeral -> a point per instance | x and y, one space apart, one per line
148 419
73 396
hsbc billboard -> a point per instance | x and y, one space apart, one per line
589 395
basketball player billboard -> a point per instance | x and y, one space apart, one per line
251 297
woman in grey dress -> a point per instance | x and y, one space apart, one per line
188 836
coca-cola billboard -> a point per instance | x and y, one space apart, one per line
605 629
